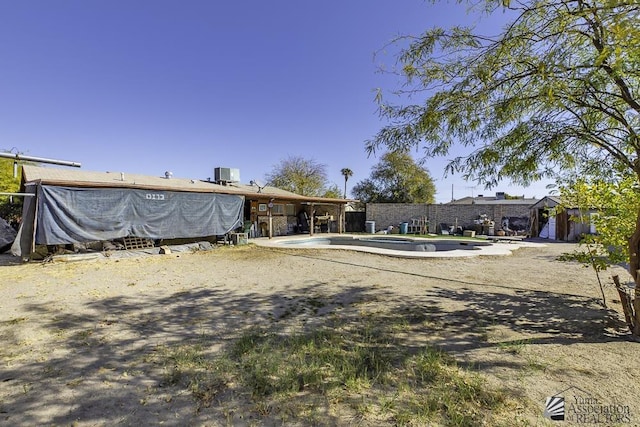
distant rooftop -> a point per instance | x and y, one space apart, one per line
498 199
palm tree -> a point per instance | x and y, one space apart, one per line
346 172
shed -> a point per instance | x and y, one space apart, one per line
549 222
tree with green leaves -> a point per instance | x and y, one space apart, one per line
10 210
558 88
347 173
613 203
8 183
610 204
397 178
332 192
302 176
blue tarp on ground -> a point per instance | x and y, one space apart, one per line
73 215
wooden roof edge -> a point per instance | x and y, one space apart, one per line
332 201
133 186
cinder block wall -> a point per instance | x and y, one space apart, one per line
386 214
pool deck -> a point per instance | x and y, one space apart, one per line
494 249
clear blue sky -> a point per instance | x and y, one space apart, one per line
153 85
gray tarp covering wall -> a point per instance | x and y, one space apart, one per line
72 215
7 235
23 244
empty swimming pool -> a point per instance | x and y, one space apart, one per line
396 245
391 243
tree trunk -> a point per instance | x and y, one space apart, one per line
625 300
634 269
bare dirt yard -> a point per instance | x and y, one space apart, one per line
260 336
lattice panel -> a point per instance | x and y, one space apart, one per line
132 242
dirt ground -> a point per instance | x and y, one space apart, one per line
75 336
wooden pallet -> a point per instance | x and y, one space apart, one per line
418 226
131 242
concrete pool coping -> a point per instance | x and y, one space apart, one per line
493 249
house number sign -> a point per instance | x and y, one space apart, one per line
154 196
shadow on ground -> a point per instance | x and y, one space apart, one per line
99 369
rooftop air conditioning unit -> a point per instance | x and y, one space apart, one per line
226 175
